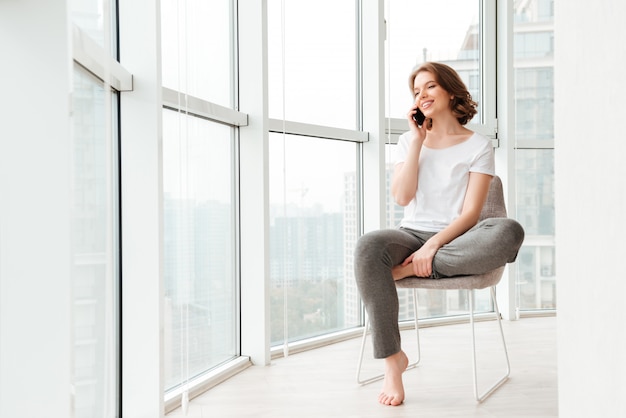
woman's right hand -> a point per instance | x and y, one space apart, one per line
419 132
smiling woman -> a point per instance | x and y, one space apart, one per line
442 173
435 75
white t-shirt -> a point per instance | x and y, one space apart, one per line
443 176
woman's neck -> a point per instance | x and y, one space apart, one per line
445 133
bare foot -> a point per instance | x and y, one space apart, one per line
399 272
393 389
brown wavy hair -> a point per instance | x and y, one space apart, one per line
462 105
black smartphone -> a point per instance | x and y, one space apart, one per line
419 117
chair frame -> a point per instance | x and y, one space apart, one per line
479 398
494 207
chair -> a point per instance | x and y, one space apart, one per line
494 208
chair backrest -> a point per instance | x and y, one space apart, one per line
494 206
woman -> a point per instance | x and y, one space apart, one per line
442 176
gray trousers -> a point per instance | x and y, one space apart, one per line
491 243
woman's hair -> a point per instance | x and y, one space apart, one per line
462 105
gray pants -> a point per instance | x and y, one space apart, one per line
491 243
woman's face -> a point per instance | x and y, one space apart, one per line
430 97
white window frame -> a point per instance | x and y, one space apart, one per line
95 59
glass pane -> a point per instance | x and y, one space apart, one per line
317 81
534 104
426 30
313 231
536 277
535 191
95 267
97 20
197 48
201 324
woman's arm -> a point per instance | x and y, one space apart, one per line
404 179
422 259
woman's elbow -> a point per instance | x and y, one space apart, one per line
402 200
402 195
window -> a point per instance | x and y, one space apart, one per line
534 132
312 62
199 247
95 236
197 49
200 192
97 22
313 230
534 102
313 96
536 272
530 45
456 33
95 216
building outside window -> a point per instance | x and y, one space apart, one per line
313 195
534 131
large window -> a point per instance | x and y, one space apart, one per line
199 246
311 98
201 320
534 133
95 216
313 175
313 226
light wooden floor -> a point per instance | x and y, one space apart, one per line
321 383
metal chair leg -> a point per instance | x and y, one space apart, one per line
364 338
479 398
504 378
358 370
417 332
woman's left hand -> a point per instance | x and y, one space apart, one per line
422 260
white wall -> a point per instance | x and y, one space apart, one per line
35 250
590 170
